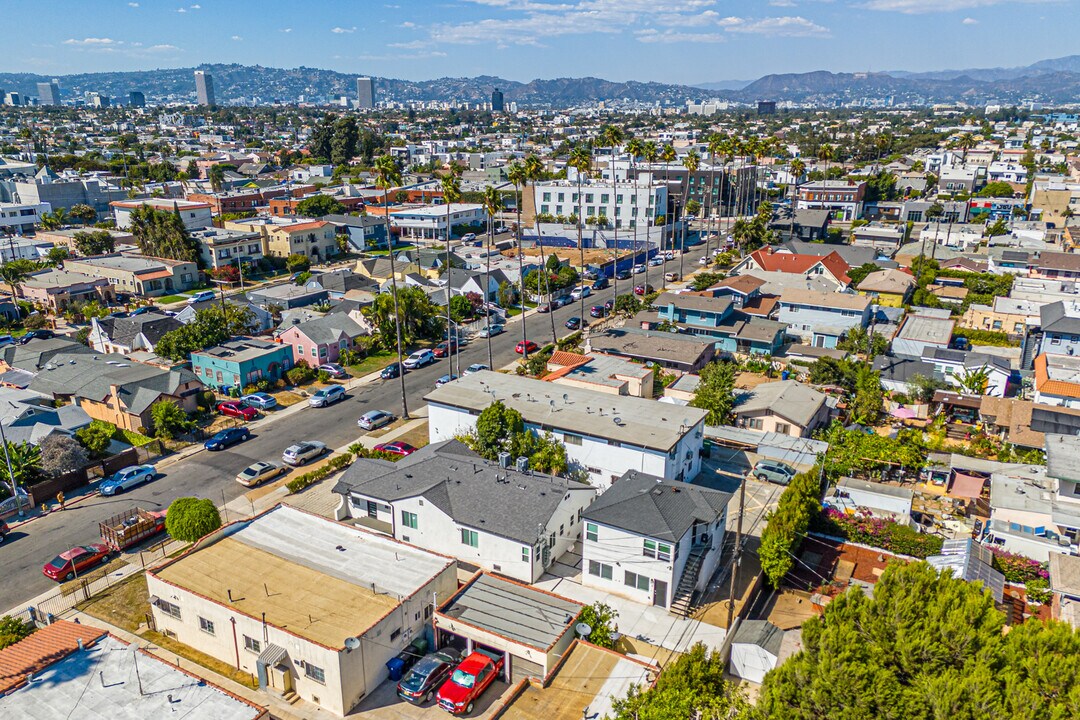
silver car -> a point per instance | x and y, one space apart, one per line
301 452
327 396
375 419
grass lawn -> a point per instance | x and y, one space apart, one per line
374 361
167 299
124 605
285 398
383 253
417 437
212 664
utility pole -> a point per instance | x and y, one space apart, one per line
737 558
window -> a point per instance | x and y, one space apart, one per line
656 550
300 348
252 645
569 439
547 197
470 537
604 198
314 672
206 626
525 553
600 570
169 608
634 580
783 428
408 519
754 424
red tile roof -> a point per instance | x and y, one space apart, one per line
570 359
42 649
786 262
1045 384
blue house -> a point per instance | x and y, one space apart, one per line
820 318
241 361
733 331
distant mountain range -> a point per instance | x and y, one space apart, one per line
1052 81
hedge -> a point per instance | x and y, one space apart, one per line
877 532
1018 568
986 337
335 463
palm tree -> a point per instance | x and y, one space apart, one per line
387 176
691 163
635 147
15 272
715 145
451 192
650 152
534 170
667 156
798 167
515 173
612 137
54 220
492 205
966 142
825 154
581 160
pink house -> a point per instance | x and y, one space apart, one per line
321 340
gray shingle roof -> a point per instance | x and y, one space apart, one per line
329 328
787 398
465 487
123 331
651 506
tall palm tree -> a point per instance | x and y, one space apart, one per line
451 192
581 160
651 153
715 145
612 137
15 272
492 205
691 163
727 150
798 167
634 147
515 173
534 170
388 176
667 156
966 142
826 153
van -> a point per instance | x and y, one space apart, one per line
201 296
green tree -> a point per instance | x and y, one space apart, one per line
297 262
997 189
345 141
15 273
626 304
999 227
715 392
786 526
12 630
189 518
494 426
319 205
162 234
169 420
975 380
857 340
96 436
869 397
460 308
56 255
25 465
83 213
601 619
705 280
859 274
211 326
321 141
94 242
421 319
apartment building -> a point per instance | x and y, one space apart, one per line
137 274
282 237
844 198
194 215
627 205
220 248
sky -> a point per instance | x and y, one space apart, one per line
675 41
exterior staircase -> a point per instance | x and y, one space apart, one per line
682 600
1031 346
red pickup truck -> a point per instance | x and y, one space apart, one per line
469 681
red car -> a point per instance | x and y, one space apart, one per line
526 346
468 682
445 348
238 410
396 448
67 565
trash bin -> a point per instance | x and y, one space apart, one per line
396 667
785 375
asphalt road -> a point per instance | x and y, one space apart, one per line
211 475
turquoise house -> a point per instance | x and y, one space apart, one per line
241 361
734 331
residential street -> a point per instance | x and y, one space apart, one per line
212 475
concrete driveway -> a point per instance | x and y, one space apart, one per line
384 704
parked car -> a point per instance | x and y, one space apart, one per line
475 368
260 472
444 380
391 371
598 311
327 396
374 419
468 681
609 305
4 530
703 261
671 277
259 400
301 452
126 479
227 437
643 289
492 331
773 471
655 261
544 308
36 335
601 283
669 254
68 564
143 310
6 340
639 268
334 370
468 237
583 291
525 346
446 348
419 359
573 323
427 675
396 447
201 296
237 409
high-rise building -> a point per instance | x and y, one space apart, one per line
96 99
204 88
365 92
136 99
497 102
766 107
48 93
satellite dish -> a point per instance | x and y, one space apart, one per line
583 630
352 643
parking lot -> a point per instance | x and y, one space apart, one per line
384 704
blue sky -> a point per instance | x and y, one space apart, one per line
681 41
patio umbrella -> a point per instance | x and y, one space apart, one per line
903 413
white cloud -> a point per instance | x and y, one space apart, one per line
780 27
133 5
286 30
342 31
921 7
94 42
162 48
236 37
195 7
674 36
408 24
181 10
782 3
969 21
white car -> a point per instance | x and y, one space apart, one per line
374 419
475 368
582 291
301 452
468 237
419 359
658 260
638 269
492 331
327 396
703 261
201 297
259 401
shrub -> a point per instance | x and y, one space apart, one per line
335 463
189 519
96 436
987 337
300 374
601 618
1018 568
169 419
877 532
1038 590
12 630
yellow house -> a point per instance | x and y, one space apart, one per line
890 288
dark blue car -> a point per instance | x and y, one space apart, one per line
600 283
227 437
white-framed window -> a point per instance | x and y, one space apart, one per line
207 626
591 531
169 608
470 537
634 580
525 554
252 645
314 672
408 519
600 570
